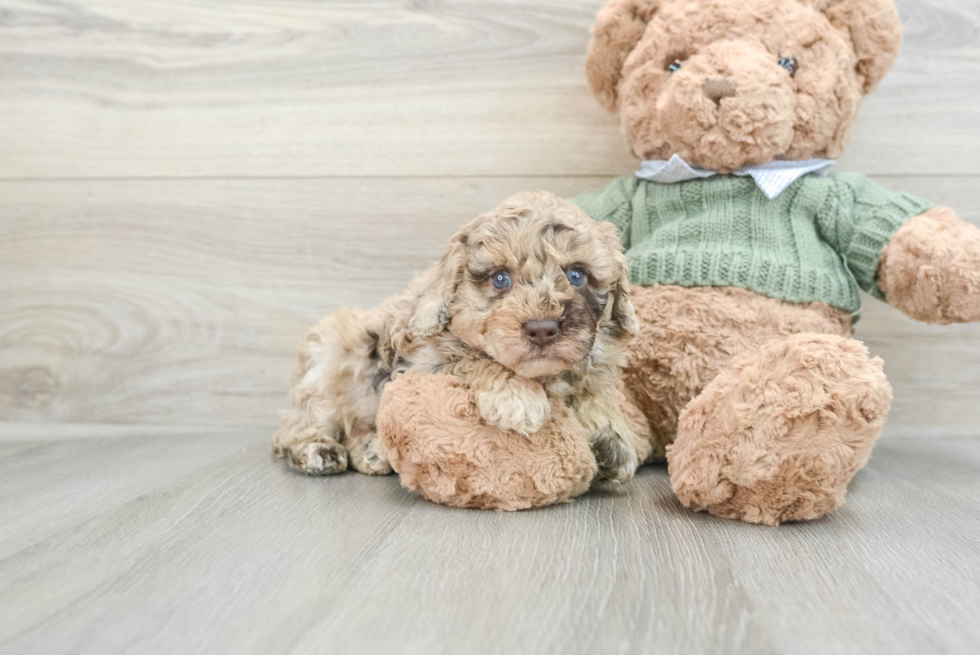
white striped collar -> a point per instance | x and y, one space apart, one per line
772 178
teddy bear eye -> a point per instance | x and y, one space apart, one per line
501 280
674 66
789 63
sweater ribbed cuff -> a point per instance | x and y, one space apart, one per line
874 232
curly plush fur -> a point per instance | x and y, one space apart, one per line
771 406
931 268
689 335
765 409
842 49
432 434
778 436
453 320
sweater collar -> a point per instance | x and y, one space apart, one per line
772 177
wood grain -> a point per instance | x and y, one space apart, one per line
180 302
238 555
50 485
186 186
166 88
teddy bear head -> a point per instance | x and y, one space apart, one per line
731 83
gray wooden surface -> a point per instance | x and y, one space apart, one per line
199 544
186 186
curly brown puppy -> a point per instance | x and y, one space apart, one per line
531 300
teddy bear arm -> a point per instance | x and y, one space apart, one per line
930 268
435 439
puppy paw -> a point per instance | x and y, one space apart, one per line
317 457
366 456
520 406
615 456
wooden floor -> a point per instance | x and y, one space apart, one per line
201 544
186 186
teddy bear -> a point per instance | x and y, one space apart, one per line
746 254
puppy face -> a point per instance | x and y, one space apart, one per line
536 284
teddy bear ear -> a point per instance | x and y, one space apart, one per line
619 27
875 31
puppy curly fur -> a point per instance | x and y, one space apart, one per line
452 320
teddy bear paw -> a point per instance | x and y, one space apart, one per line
930 268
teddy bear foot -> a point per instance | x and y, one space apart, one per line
779 435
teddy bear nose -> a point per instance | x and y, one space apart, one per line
719 87
541 331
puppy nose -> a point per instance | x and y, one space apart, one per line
719 87
541 331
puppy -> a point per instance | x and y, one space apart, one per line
530 299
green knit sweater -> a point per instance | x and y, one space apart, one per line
820 239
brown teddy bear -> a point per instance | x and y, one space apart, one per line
432 434
746 256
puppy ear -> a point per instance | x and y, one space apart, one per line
875 31
619 27
438 288
623 312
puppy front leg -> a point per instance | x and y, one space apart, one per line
506 400
609 436
307 447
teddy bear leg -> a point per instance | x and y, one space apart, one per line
778 435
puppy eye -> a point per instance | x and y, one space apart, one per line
501 280
576 277
674 66
789 63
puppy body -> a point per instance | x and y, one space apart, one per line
531 300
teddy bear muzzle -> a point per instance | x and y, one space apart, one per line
730 105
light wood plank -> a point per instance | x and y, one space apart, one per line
180 302
244 556
54 485
124 88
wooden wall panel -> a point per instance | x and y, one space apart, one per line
134 88
180 302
